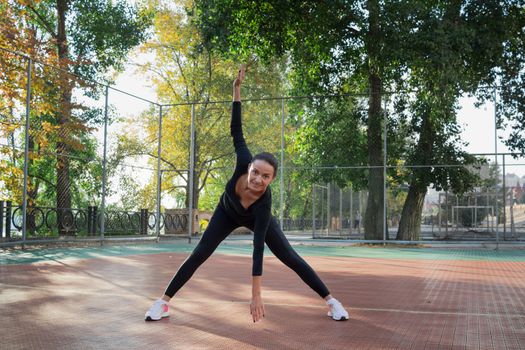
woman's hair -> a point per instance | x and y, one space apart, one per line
269 158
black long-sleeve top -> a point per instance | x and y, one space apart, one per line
257 216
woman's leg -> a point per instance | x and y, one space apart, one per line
218 229
281 248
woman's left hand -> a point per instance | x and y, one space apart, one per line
240 76
257 308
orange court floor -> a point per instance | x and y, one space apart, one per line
398 298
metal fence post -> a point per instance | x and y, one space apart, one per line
313 211
104 161
385 132
1 219
496 157
26 152
191 173
328 209
340 211
281 180
504 197
351 209
159 176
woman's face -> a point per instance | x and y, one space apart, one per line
260 175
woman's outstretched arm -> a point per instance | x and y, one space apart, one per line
257 305
244 156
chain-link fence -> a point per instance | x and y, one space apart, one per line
79 159
336 212
83 160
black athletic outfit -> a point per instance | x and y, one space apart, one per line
230 214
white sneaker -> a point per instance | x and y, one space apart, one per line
157 311
337 311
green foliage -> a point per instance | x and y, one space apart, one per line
102 32
437 50
458 48
323 141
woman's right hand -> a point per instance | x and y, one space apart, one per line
257 308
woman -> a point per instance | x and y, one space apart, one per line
247 202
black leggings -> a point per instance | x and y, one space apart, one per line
220 226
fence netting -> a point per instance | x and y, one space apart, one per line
96 161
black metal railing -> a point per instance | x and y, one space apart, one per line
49 221
299 224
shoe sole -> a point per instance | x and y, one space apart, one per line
341 319
149 319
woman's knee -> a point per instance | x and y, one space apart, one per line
201 255
291 259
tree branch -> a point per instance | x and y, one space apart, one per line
44 22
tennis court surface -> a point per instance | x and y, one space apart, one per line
398 298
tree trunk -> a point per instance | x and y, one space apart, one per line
32 190
373 220
410 223
63 190
195 191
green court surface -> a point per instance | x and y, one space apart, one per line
33 255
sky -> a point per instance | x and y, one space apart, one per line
478 131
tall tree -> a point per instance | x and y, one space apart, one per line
84 38
17 30
459 49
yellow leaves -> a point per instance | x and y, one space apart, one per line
48 127
400 169
44 108
28 2
176 140
11 178
42 137
15 32
7 129
9 152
